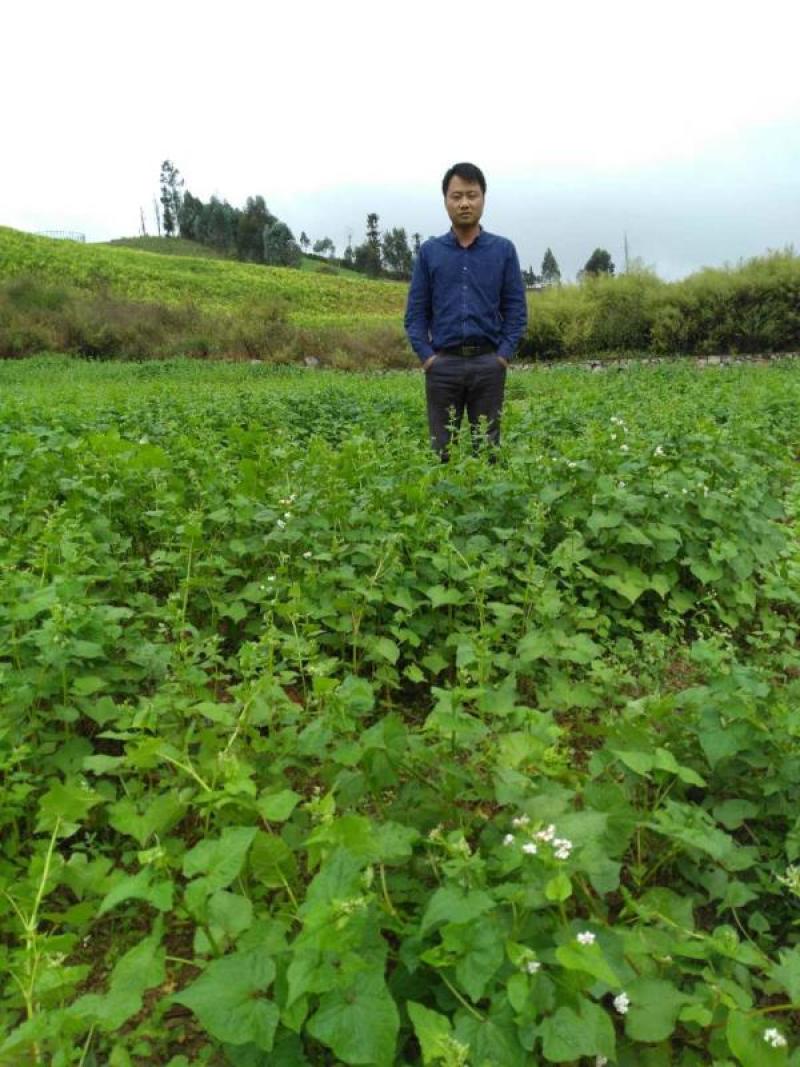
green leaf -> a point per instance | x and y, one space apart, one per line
386 649
103 764
438 596
277 807
537 644
745 1034
220 860
68 804
158 814
451 904
787 973
359 1023
491 1042
559 888
478 948
567 1034
630 584
139 969
654 1009
732 813
139 886
639 762
228 999
86 685
272 863
392 841
590 960
665 761
230 913
432 1030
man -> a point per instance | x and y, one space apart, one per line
465 314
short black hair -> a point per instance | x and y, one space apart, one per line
468 172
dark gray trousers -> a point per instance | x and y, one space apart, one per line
456 383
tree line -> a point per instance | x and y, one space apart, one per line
254 235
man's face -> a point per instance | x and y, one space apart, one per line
464 202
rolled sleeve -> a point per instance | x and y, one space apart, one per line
419 309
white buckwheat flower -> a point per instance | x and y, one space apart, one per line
659 451
562 847
270 577
529 848
533 966
520 821
623 448
280 524
622 1003
600 1061
775 1038
307 555
546 835
508 840
585 937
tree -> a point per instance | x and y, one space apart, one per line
416 243
304 241
325 247
280 247
190 218
250 225
599 262
396 254
530 277
551 275
367 256
220 223
349 259
170 184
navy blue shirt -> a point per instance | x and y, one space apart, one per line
466 295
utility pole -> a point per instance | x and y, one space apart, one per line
157 214
142 227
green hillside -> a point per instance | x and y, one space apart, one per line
165 246
182 246
213 285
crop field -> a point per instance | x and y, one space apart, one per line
212 285
317 752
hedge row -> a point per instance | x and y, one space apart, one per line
754 307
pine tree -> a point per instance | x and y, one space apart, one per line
367 256
551 275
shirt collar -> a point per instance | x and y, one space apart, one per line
451 238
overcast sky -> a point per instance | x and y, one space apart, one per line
677 123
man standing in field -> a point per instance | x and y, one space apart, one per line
465 314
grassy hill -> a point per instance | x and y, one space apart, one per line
181 246
214 285
165 246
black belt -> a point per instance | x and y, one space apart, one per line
469 350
